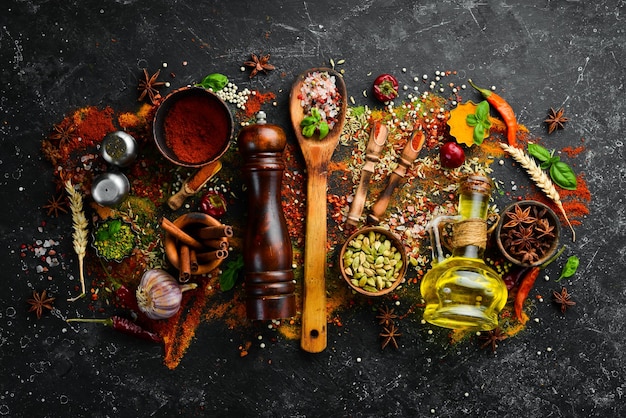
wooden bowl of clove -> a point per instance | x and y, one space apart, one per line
528 233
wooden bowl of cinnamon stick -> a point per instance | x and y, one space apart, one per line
195 243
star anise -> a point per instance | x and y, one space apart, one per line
544 229
522 238
55 205
386 316
39 301
492 338
148 86
259 64
529 255
63 133
564 299
556 120
519 216
389 335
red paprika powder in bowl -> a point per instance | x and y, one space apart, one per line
192 127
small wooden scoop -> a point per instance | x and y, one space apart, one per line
405 161
193 184
317 154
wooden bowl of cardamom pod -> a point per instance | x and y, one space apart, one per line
373 261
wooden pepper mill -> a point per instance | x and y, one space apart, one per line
267 252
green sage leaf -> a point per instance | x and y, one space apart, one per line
308 131
570 267
539 152
563 175
323 128
215 82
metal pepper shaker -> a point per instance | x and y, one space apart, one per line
267 251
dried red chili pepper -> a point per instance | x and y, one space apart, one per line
524 288
213 204
385 87
123 325
513 276
504 109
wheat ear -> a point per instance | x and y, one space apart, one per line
79 222
540 178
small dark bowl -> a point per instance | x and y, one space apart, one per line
553 221
216 112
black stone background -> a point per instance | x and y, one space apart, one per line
58 56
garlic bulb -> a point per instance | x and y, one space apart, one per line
159 294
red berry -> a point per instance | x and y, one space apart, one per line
451 155
213 204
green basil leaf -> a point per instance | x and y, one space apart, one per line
539 152
316 114
102 235
545 165
323 128
215 82
114 227
479 134
570 267
309 120
563 175
229 276
308 131
471 120
486 124
482 110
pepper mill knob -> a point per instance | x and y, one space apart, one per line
267 251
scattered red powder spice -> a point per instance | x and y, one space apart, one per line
575 202
93 124
255 101
573 151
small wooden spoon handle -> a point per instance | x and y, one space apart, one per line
314 320
378 137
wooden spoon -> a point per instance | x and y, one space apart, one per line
317 154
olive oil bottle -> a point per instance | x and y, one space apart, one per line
462 291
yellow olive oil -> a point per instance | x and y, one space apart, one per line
462 291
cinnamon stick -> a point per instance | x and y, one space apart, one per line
193 258
210 232
180 235
185 264
220 244
212 256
